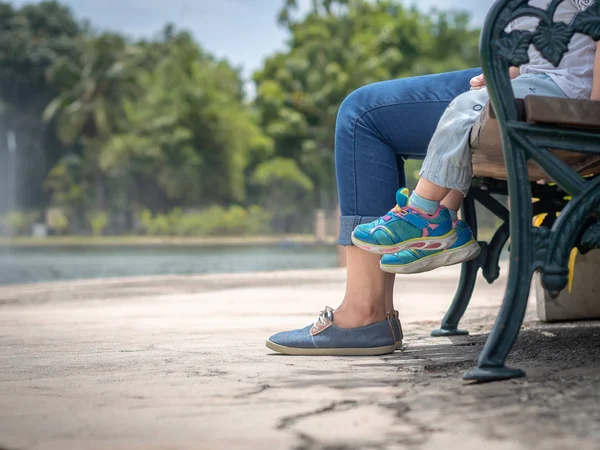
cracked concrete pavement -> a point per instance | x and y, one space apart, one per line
180 362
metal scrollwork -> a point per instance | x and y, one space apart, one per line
541 241
513 47
550 38
490 266
590 239
548 249
565 233
588 22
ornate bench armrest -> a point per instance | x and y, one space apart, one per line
501 49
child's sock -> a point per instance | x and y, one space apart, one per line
427 206
453 214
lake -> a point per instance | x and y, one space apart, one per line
35 264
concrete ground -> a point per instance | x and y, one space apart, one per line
180 362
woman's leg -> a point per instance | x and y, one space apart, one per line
375 124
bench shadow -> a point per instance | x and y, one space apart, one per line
541 349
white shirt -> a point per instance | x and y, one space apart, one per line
574 75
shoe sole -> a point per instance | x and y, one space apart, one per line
467 252
372 351
428 243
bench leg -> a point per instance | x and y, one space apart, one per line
468 277
490 266
490 257
500 341
508 323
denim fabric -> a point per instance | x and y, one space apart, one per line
448 162
377 127
376 335
397 329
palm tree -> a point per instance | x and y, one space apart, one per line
92 90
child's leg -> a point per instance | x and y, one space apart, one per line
443 170
426 225
447 170
448 163
453 201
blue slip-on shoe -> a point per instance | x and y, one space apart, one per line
323 338
408 261
406 227
397 326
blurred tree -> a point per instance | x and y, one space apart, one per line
31 39
189 134
285 189
160 123
337 47
92 89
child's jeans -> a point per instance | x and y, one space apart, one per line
448 161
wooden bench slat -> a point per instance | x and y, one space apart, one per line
488 160
563 111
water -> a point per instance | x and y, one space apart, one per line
36 264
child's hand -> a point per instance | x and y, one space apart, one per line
477 82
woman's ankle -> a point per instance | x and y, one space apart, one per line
349 315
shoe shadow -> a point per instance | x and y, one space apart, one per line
540 349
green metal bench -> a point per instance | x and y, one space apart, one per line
542 148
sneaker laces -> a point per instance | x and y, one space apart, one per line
400 211
326 314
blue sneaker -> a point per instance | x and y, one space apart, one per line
323 338
464 249
405 227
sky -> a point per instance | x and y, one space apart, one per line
243 31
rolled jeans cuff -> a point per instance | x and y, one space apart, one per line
347 226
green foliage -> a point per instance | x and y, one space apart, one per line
92 87
284 189
282 173
31 39
64 183
189 132
213 221
159 224
120 126
98 221
411 169
92 90
58 220
338 47
20 222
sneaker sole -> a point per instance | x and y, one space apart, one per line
467 252
428 243
372 351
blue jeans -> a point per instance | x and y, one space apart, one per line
380 125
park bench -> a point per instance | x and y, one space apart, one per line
541 148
